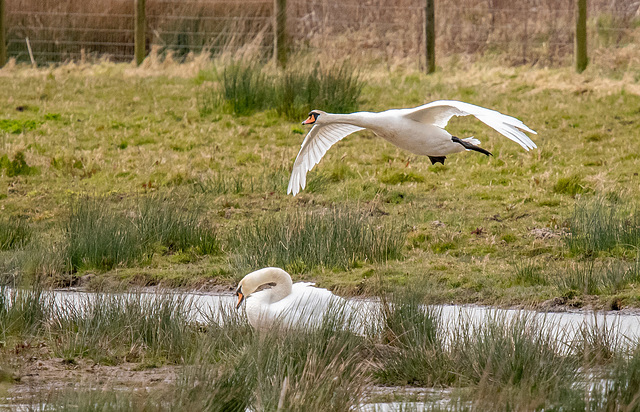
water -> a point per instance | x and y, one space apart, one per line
206 307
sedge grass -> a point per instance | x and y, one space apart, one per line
310 368
334 238
516 352
246 87
174 226
125 327
597 344
22 312
598 225
14 233
595 278
100 237
416 334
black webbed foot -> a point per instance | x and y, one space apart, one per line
470 146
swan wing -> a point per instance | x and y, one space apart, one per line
319 139
439 112
306 305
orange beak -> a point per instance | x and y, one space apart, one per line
310 120
240 299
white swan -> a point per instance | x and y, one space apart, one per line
419 130
298 304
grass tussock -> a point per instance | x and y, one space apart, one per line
174 226
416 338
124 327
246 87
572 185
515 355
596 343
529 273
14 233
333 238
22 312
334 89
223 184
595 278
101 237
16 167
312 369
598 226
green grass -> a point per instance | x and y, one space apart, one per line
335 239
246 87
529 273
16 167
136 327
599 225
140 133
416 336
175 225
101 238
14 233
22 312
572 186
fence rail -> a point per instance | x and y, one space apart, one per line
546 32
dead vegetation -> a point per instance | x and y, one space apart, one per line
532 32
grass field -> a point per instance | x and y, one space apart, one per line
117 175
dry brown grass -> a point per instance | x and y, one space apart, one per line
72 29
532 32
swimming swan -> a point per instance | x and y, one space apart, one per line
298 304
419 130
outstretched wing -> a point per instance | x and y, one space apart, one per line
319 139
439 113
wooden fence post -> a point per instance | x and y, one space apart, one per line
280 32
3 40
140 36
581 36
430 35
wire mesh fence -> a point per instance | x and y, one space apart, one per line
524 32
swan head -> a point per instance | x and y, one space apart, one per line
275 278
243 290
313 117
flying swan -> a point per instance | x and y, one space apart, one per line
289 304
419 130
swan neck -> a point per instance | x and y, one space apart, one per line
282 289
282 280
361 119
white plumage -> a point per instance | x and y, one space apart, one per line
284 303
419 130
